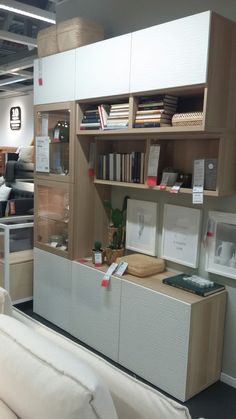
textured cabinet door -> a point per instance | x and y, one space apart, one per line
52 288
103 68
170 54
154 337
95 310
57 73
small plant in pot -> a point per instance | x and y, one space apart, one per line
116 231
98 253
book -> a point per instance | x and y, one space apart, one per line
196 285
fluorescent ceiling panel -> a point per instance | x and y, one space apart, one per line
27 10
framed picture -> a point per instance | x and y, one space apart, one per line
181 235
141 226
221 244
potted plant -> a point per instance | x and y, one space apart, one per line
116 231
98 254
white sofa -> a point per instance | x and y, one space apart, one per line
45 375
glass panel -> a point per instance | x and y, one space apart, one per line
53 216
21 239
2 248
56 126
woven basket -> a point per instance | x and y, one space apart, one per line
113 254
76 32
187 119
47 41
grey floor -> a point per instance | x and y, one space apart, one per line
216 402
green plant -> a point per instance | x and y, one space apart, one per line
117 216
117 239
97 246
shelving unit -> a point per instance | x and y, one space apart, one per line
54 189
16 257
200 71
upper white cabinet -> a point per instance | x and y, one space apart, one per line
103 68
54 78
170 54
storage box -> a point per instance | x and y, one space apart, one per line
47 41
187 119
76 32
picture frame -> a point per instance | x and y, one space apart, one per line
221 244
181 234
141 226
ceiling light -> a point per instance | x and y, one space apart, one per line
13 80
27 10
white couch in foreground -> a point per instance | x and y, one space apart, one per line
45 375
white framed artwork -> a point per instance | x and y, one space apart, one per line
221 244
141 225
181 235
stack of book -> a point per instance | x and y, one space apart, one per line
104 111
121 167
155 111
91 119
118 117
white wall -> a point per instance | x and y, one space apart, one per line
24 136
123 16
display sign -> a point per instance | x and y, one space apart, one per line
42 154
15 118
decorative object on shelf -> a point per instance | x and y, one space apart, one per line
181 235
98 254
169 176
208 172
116 231
143 265
221 244
141 226
61 132
185 180
187 119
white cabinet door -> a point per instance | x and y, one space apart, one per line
154 337
52 288
54 78
103 68
170 54
95 310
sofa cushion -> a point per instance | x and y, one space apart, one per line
41 380
26 154
132 398
4 192
5 412
5 303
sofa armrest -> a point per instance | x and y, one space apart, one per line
3 205
20 206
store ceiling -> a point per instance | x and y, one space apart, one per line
18 46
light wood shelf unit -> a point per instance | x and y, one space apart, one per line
52 113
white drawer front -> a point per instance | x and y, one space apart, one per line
103 68
52 288
58 78
154 336
95 310
171 54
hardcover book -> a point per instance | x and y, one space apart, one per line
196 285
